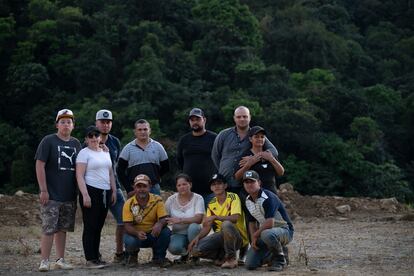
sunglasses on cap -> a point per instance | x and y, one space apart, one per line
94 134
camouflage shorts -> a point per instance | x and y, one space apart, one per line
58 216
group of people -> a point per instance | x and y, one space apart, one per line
227 186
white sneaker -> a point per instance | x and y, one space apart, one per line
61 264
44 266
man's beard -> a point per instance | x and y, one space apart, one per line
142 195
197 129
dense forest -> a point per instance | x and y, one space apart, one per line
331 81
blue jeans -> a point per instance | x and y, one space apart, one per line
116 209
268 240
158 244
179 242
156 189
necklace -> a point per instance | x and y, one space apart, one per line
138 212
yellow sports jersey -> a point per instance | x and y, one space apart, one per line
231 206
144 218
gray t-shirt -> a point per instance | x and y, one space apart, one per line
60 159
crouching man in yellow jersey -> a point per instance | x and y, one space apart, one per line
224 215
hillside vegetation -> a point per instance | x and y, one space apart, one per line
331 81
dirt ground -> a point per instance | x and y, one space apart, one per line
333 236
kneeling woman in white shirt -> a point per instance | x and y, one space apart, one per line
186 211
97 191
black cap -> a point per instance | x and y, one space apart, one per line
256 129
196 112
253 175
91 129
217 177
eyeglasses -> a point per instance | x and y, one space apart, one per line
91 135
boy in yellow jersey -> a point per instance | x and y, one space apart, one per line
225 216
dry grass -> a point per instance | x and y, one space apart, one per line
14 233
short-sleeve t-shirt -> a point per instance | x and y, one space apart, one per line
59 157
98 166
231 206
144 218
194 207
144 160
268 205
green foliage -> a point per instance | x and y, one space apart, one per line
27 78
41 10
232 19
24 53
312 79
294 124
28 84
303 43
239 98
22 168
331 81
367 131
7 30
12 138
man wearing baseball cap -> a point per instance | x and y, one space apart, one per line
194 152
270 227
225 217
144 217
104 124
55 171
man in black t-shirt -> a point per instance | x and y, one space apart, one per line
194 153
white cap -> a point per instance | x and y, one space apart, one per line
104 114
64 113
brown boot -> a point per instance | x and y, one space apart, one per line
230 263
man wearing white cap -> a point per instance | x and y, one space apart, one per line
104 124
55 171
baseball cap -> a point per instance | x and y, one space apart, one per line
217 177
91 129
253 175
142 178
196 112
64 113
104 114
256 129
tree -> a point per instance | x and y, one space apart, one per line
28 85
230 35
294 124
42 10
295 40
95 69
12 137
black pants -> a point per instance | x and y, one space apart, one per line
93 220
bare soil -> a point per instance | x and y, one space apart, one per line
366 237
